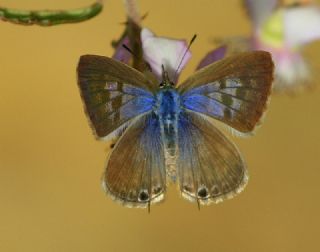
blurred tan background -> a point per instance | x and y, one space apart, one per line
50 163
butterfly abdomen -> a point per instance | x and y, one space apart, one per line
168 109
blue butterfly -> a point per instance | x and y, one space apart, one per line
165 131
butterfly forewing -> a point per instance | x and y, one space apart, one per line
234 90
210 167
135 172
113 93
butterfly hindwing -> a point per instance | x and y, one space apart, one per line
234 90
209 166
113 93
135 172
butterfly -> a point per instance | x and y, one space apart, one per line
165 132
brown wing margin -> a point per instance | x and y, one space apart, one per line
113 93
234 90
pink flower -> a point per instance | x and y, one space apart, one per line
283 30
158 51
213 56
172 54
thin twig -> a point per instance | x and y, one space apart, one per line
132 11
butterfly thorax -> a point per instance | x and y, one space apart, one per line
168 109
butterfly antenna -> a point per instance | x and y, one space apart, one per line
147 65
129 50
184 54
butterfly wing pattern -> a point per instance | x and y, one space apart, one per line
135 174
209 166
235 91
113 93
120 100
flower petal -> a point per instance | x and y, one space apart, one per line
272 30
121 53
291 70
259 10
213 56
302 25
168 52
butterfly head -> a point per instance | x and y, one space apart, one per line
166 82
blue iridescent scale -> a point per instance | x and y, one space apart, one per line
167 108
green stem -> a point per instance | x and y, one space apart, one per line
50 17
